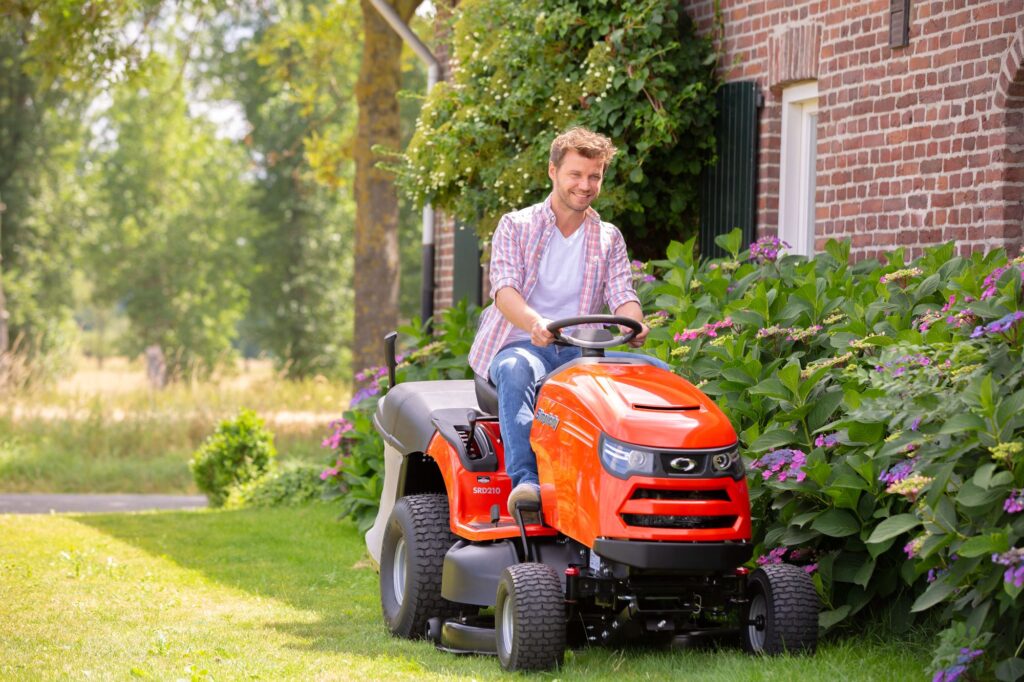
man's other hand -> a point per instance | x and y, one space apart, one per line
539 334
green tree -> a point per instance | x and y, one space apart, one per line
54 56
173 243
525 70
320 57
301 294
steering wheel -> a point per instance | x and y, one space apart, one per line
567 340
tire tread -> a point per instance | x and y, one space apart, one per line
540 612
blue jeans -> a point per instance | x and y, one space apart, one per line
515 371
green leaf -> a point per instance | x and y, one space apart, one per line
866 433
983 475
790 377
966 421
971 495
823 408
801 519
836 523
730 242
828 619
1009 669
935 594
893 527
796 536
980 545
864 573
772 440
771 387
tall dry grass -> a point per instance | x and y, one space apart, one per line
104 429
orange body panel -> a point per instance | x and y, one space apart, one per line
583 500
637 404
471 494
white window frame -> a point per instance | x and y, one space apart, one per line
798 167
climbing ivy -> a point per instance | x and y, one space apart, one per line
525 70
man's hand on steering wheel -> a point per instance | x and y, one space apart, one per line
539 334
638 340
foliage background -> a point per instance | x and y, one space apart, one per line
524 71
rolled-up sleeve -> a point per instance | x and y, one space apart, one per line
506 258
619 285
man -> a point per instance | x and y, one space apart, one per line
553 260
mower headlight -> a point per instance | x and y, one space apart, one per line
728 463
623 459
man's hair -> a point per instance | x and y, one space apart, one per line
584 142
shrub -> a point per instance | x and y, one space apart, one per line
290 484
879 407
355 475
240 449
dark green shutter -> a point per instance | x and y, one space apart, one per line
728 197
466 272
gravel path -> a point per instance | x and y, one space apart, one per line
45 503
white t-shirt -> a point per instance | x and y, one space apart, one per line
559 280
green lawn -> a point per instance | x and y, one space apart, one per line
279 594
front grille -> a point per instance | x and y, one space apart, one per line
715 495
687 522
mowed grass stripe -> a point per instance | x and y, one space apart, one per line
280 594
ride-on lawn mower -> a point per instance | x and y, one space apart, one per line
642 532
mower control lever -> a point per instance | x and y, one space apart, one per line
557 326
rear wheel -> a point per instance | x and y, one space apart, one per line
412 559
782 614
529 618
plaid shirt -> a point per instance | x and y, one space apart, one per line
516 251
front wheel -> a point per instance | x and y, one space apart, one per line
782 614
411 562
529 618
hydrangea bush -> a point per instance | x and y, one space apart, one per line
879 407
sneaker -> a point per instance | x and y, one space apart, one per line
524 492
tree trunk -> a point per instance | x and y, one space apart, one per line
375 271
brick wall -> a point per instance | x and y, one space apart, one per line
916 145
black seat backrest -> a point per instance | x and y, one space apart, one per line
486 395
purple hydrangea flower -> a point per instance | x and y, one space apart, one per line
963 660
826 441
1014 503
897 472
991 282
782 464
766 249
340 427
773 557
1014 562
1000 326
710 329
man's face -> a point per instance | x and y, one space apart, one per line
577 181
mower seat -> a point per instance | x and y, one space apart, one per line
486 395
